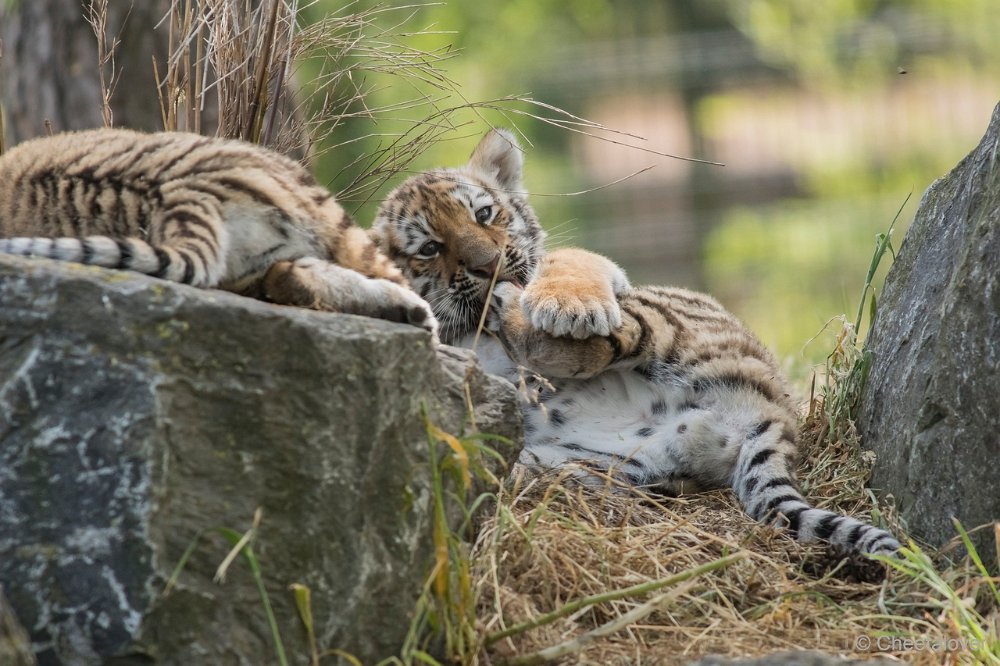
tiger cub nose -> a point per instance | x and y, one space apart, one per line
485 271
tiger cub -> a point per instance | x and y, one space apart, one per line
201 211
661 387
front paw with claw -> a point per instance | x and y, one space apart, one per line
575 295
570 315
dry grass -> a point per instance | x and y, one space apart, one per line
236 69
553 541
244 60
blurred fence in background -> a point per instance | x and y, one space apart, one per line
827 116
783 232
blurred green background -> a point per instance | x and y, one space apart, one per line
826 115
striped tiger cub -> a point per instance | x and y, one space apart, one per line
661 387
200 211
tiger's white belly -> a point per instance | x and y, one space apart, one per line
647 432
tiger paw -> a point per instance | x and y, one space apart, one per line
387 300
575 295
321 285
410 308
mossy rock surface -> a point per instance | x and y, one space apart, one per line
136 415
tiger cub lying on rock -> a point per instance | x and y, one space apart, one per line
658 386
201 211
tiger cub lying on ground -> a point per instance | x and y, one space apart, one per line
205 212
661 387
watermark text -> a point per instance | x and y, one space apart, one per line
865 643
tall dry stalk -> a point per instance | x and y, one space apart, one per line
243 59
227 70
97 17
257 70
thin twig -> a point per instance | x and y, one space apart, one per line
248 537
489 294
578 643
613 595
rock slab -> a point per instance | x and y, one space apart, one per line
931 407
137 417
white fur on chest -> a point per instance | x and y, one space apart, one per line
491 356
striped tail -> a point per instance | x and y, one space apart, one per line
765 483
184 264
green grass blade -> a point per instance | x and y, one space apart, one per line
425 658
976 559
234 538
303 603
176 573
882 244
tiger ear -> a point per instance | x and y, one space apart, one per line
500 156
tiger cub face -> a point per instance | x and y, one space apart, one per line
451 230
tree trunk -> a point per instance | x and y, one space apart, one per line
49 70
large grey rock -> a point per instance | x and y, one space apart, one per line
136 414
931 409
